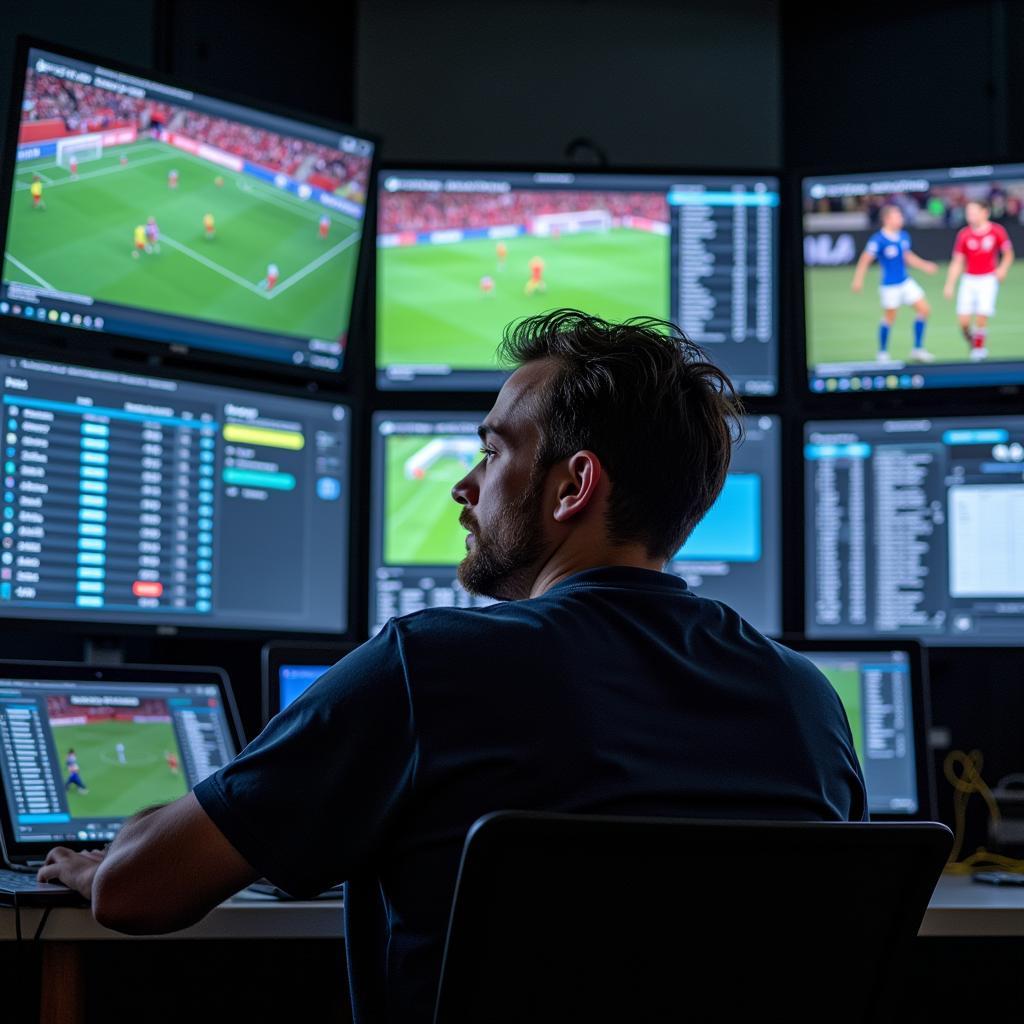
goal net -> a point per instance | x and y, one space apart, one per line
81 147
573 223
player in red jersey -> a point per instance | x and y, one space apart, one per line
487 285
974 256
172 761
172 179
73 167
272 275
325 226
536 282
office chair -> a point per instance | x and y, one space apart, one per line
584 919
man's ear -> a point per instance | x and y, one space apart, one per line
578 485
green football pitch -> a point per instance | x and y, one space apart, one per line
421 520
83 242
846 682
842 327
431 309
115 789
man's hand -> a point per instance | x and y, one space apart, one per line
1001 274
929 267
75 870
948 291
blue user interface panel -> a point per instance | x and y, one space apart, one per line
135 499
915 527
733 554
294 680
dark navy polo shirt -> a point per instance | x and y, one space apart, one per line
618 692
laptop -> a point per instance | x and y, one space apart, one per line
83 748
289 669
884 688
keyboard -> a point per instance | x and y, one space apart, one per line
25 881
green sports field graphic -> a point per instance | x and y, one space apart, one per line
421 522
842 326
846 682
119 790
82 242
431 309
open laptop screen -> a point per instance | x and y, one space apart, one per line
78 756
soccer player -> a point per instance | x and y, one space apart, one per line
502 250
536 282
140 241
172 179
73 167
487 285
124 159
272 275
974 256
119 749
172 761
153 235
891 248
36 189
325 226
208 226
74 776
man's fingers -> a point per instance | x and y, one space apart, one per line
48 873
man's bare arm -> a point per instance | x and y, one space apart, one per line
168 867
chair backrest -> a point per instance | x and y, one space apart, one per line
578 918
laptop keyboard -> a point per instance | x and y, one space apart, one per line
19 881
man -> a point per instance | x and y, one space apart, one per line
891 248
209 227
536 281
974 256
139 236
600 684
74 774
325 226
36 191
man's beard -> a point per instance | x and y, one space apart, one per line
501 564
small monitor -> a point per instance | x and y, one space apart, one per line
461 253
290 669
137 207
734 553
909 279
884 689
83 748
915 528
141 499
416 541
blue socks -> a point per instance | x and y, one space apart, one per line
919 326
883 337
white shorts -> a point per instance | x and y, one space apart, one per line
977 295
904 294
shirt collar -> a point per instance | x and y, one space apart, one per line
621 576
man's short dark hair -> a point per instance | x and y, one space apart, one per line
983 203
658 414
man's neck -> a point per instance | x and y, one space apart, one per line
560 566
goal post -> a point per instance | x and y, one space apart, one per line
571 223
81 147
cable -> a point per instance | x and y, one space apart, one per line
42 924
966 783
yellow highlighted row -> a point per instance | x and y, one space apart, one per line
243 434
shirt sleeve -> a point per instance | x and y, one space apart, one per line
308 801
960 245
1003 238
872 246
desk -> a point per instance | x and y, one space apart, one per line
960 908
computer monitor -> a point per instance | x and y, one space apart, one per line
461 253
884 689
416 541
137 207
935 244
734 553
140 499
290 669
82 747
915 527
415 538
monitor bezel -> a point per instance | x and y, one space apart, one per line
179 353
427 394
920 702
119 675
276 654
132 627
911 398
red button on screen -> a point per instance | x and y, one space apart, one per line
145 588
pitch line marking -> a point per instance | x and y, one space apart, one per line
315 265
31 273
97 174
216 267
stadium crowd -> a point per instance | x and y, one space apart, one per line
940 206
431 211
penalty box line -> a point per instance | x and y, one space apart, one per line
31 273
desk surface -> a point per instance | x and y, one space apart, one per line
959 908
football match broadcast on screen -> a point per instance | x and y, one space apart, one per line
142 208
911 279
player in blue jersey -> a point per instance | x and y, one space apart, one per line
74 777
890 247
